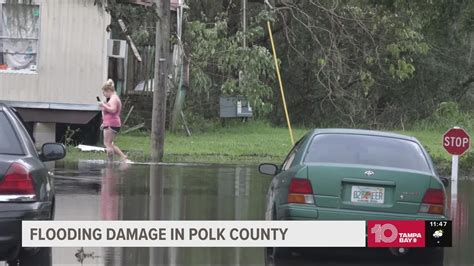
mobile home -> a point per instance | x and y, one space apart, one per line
53 62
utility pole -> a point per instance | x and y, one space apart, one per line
244 21
162 51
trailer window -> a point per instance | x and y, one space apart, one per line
19 37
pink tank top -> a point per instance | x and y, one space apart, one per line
112 119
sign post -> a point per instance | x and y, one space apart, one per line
456 141
454 185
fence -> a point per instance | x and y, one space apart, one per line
140 74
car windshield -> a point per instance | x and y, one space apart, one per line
367 150
9 143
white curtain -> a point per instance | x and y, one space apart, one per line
20 24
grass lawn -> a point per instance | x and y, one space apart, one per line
252 142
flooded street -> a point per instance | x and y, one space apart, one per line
96 191
166 192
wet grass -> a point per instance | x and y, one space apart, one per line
252 142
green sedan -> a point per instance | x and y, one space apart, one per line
346 174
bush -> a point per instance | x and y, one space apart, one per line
198 124
447 115
466 162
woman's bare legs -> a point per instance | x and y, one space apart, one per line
119 152
109 136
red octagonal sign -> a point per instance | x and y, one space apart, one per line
456 141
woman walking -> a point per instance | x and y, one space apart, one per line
111 120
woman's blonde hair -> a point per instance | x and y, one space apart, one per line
109 85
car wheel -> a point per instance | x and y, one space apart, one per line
430 256
277 256
424 256
399 252
277 253
38 257
268 257
281 252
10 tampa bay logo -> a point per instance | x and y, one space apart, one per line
396 233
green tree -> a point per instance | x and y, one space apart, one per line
220 65
341 59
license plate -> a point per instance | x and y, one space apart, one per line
363 194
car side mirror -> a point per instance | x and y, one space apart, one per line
268 169
52 152
445 181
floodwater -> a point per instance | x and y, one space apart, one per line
159 192
97 191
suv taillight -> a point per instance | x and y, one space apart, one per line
17 181
300 191
433 201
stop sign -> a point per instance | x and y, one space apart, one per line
456 141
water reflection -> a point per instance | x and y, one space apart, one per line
108 194
200 192
463 226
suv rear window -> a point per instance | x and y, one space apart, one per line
367 150
9 143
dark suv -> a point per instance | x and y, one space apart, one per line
26 187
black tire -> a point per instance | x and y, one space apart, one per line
281 253
40 257
35 256
268 257
11 260
430 256
278 256
422 256
276 253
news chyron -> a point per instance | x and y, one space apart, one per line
314 233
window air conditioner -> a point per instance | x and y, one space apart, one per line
116 48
